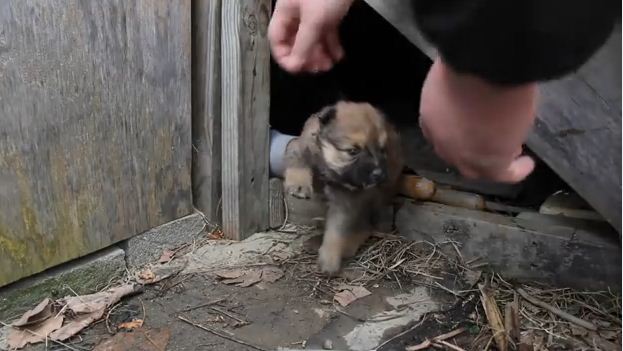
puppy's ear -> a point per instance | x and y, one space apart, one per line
326 115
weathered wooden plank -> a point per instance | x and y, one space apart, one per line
578 131
245 116
206 106
518 248
94 126
277 208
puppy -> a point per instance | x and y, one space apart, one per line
351 153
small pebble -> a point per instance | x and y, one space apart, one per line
327 345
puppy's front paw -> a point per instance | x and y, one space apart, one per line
299 183
329 261
301 191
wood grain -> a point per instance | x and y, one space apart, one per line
245 117
94 126
578 131
206 105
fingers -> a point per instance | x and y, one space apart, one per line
299 47
518 170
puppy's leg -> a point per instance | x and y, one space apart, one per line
298 177
342 238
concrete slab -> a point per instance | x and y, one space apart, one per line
82 276
147 247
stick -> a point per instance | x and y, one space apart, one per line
438 339
562 314
202 305
494 318
450 346
228 315
41 336
422 320
217 333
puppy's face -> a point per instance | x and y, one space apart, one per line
353 139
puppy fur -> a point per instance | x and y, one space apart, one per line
351 154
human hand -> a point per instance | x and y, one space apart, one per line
303 34
476 126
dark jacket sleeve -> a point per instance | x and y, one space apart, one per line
516 41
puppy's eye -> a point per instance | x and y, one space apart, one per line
353 151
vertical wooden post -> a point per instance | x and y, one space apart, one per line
245 68
206 107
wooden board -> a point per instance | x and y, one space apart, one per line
578 132
245 77
516 248
206 119
94 126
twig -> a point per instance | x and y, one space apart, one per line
438 339
450 346
108 317
403 333
214 302
493 317
41 336
217 333
448 290
143 306
558 312
227 314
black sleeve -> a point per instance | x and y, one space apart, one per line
516 41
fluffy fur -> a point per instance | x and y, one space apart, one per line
350 153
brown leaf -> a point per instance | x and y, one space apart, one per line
98 301
38 314
139 340
146 276
250 278
348 294
76 325
271 274
34 333
167 256
89 308
230 274
134 324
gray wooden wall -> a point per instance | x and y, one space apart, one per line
95 125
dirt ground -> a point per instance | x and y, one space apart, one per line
265 294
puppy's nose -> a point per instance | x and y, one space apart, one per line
377 175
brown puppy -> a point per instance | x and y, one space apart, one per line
353 154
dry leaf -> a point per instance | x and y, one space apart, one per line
134 324
230 274
89 308
34 333
271 274
146 276
98 301
38 314
139 340
348 294
167 256
75 325
247 277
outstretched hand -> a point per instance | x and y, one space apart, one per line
303 34
478 127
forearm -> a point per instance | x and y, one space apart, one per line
513 42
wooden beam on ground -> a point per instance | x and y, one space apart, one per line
517 248
245 77
206 107
578 131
